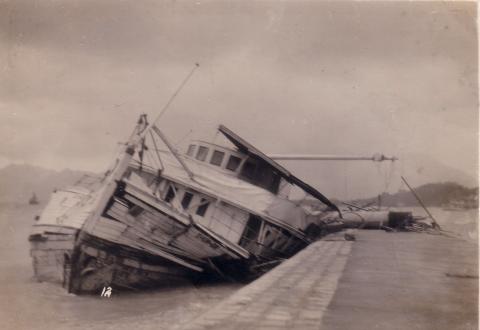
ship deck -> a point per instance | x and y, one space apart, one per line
379 281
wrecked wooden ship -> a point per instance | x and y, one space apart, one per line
160 217
211 209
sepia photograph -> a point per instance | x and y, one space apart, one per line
239 165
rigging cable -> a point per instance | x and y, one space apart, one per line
183 138
215 136
156 151
176 92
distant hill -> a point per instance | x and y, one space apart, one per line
423 169
445 194
354 180
19 182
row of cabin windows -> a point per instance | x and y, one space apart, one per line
186 200
216 159
255 171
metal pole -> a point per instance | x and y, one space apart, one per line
435 224
176 92
355 206
377 158
150 125
172 150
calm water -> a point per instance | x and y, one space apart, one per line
26 304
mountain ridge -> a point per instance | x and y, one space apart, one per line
19 181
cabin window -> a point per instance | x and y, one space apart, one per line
202 208
260 174
191 149
202 153
233 163
248 169
267 177
217 158
170 194
187 198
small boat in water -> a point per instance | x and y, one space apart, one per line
33 200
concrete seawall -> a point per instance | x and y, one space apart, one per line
380 281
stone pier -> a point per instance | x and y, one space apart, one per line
380 281
293 295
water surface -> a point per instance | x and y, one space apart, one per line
27 304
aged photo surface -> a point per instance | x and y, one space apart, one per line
238 164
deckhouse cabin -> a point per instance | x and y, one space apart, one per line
240 195
159 215
251 169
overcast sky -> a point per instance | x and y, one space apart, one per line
291 77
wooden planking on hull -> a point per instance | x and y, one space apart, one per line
45 271
284 245
141 229
50 255
53 229
295 237
148 201
65 244
189 242
100 263
174 232
117 232
197 238
136 230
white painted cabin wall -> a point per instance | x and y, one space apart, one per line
223 219
228 221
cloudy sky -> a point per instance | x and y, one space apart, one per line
292 77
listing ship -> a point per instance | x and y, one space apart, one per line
159 217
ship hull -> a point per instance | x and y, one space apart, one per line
98 263
50 254
134 245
